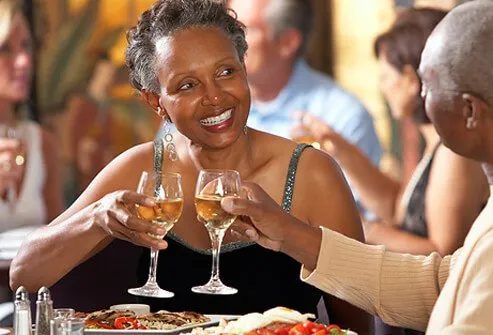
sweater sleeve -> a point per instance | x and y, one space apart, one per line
402 289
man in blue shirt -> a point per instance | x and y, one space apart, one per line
282 83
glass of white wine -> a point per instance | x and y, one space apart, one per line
167 192
212 186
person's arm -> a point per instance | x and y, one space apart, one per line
52 189
400 288
377 192
452 204
472 314
91 223
333 199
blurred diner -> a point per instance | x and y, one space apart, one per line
283 83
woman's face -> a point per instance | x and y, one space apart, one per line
16 62
204 89
399 89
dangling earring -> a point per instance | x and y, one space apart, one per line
471 123
245 130
168 139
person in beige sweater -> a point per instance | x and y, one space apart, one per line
449 295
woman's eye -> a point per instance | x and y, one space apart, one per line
226 72
185 87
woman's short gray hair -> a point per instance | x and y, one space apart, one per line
167 17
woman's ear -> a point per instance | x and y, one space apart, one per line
412 79
152 99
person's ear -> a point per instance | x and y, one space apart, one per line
413 84
152 99
473 110
290 42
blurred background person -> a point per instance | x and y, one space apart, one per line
30 184
435 210
282 82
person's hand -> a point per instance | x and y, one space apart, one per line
261 219
115 215
10 172
329 140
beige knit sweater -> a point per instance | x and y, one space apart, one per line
403 289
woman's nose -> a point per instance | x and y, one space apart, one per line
213 95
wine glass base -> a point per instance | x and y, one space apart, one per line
151 291
214 288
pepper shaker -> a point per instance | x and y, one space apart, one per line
22 312
44 312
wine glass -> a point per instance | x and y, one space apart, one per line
13 133
167 192
212 186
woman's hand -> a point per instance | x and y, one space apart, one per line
115 215
10 172
329 140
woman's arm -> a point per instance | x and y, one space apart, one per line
324 198
52 189
99 215
378 193
457 190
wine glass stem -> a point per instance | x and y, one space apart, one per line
216 236
153 266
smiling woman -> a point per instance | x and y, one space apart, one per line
187 60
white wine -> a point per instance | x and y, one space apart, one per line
209 209
164 214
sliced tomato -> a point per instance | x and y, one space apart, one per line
126 323
298 329
282 330
334 330
322 331
313 327
97 325
265 331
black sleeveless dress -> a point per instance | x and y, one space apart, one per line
264 278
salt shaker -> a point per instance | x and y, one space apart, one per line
22 312
44 312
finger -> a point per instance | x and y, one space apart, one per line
238 206
129 197
7 144
245 230
127 219
115 229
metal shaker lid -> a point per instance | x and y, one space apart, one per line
44 294
21 294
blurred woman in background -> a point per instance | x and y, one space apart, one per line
30 186
436 208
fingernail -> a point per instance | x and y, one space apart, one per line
150 202
160 231
227 204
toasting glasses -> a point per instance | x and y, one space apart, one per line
212 186
167 191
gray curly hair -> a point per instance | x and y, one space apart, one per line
167 17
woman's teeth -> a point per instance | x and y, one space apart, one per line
215 120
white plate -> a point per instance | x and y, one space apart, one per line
214 321
4 331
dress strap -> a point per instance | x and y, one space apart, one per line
289 186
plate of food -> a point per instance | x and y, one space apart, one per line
275 321
117 322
